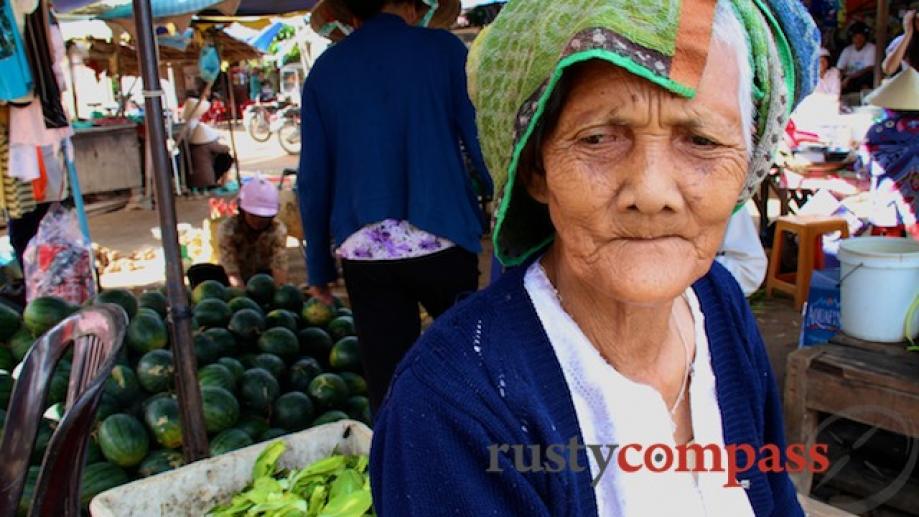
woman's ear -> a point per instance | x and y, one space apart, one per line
534 180
531 173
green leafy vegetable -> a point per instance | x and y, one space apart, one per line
337 486
267 461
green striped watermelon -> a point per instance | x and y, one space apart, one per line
122 385
155 371
209 289
217 375
224 341
253 425
99 477
292 411
123 440
121 297
235 367
272 433
147 332
221 410
258 389
229 440
44 312
163 418
160 461
330 416
155 301
279 341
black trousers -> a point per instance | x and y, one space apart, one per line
23 229
384 299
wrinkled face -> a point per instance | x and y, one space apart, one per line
640 183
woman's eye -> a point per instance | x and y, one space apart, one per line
702 141
594 139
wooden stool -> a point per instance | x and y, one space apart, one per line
810 229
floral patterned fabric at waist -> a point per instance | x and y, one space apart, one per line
391 239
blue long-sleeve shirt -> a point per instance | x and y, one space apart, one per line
485 374
383 114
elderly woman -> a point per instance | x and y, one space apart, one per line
617 356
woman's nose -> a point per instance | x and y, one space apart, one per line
649 179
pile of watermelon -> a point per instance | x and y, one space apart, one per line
270 362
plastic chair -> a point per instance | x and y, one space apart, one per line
810 231
97 335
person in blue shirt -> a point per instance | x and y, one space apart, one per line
382 182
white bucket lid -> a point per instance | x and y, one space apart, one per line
880 251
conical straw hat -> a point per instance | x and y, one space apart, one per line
899 93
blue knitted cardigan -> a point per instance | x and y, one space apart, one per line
485 373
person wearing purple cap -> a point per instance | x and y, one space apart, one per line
254 240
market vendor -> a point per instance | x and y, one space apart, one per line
857 60
254 241
890 154
623 138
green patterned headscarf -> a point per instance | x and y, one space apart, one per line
515 64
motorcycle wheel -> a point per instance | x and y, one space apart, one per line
259 128
289 136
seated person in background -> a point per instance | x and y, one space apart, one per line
742 253
857 60
210 159
903 51
254 241
829 82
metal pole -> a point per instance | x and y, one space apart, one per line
880 39
232 100
194 436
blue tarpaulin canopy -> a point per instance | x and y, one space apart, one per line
161 8
113 9
264 38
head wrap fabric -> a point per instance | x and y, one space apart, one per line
514 66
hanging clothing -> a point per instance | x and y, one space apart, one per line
16 197
23 162
54 171
15 74
38 49
28 122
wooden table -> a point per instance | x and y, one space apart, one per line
876 384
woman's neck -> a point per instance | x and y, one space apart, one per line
632 338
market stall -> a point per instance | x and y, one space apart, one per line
102 171
160 329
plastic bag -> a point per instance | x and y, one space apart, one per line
209 64
58 260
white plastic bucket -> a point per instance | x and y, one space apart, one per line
880 281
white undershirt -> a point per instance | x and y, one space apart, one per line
611 409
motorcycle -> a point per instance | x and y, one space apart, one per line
257 119
287 124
